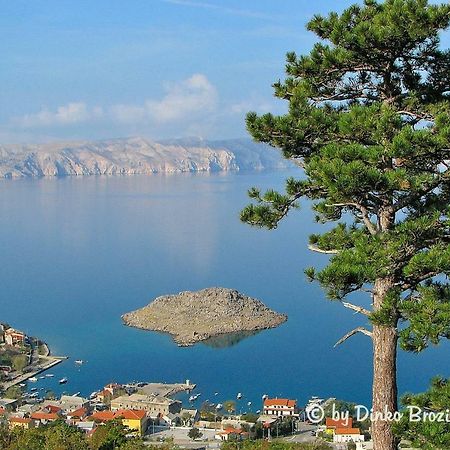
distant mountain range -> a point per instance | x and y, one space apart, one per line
135 156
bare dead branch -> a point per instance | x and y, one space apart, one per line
352 333
358 309
316 249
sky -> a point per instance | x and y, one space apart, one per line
97 69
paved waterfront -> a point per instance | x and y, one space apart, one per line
45 363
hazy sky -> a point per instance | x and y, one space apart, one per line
157 68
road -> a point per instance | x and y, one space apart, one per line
180 436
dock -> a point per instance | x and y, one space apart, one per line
166 389
47 363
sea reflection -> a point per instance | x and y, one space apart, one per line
229 339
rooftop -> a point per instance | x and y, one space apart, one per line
339 423
280 402
347 431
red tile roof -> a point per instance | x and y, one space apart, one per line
280 402
136 414
20 420
80 412
103 415
347 431
40 415
52 408
232 431
339 423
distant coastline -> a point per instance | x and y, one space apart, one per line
134 156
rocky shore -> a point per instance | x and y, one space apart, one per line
192 317
134 156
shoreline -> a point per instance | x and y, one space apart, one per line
193 317
52 362
199 339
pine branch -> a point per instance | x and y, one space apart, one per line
373 229
352 333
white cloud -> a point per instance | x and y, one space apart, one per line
184 100
69 114
187 106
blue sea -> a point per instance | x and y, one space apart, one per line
77 253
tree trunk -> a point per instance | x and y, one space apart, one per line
384 388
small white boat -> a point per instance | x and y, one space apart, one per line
249 404
49 375
41 377
93 395
239 396
79 362
265 396
32 379
219 406
34 395
192 398
22 384
63 380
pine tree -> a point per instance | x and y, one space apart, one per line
368 123
432 432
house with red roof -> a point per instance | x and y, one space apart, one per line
280 407
15 337
103 416
348 435
78 415
332 424
43 418
342 430
21 422
134 419
232 434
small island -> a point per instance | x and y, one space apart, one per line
192 317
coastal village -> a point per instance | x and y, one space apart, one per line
154 411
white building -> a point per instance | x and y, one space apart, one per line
280 407
347 435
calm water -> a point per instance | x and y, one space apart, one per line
76 253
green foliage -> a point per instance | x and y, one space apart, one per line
19 362
368 122
340 406
13 392
109 436
427 434
229 406
250 417
61 436
195 433
274 445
